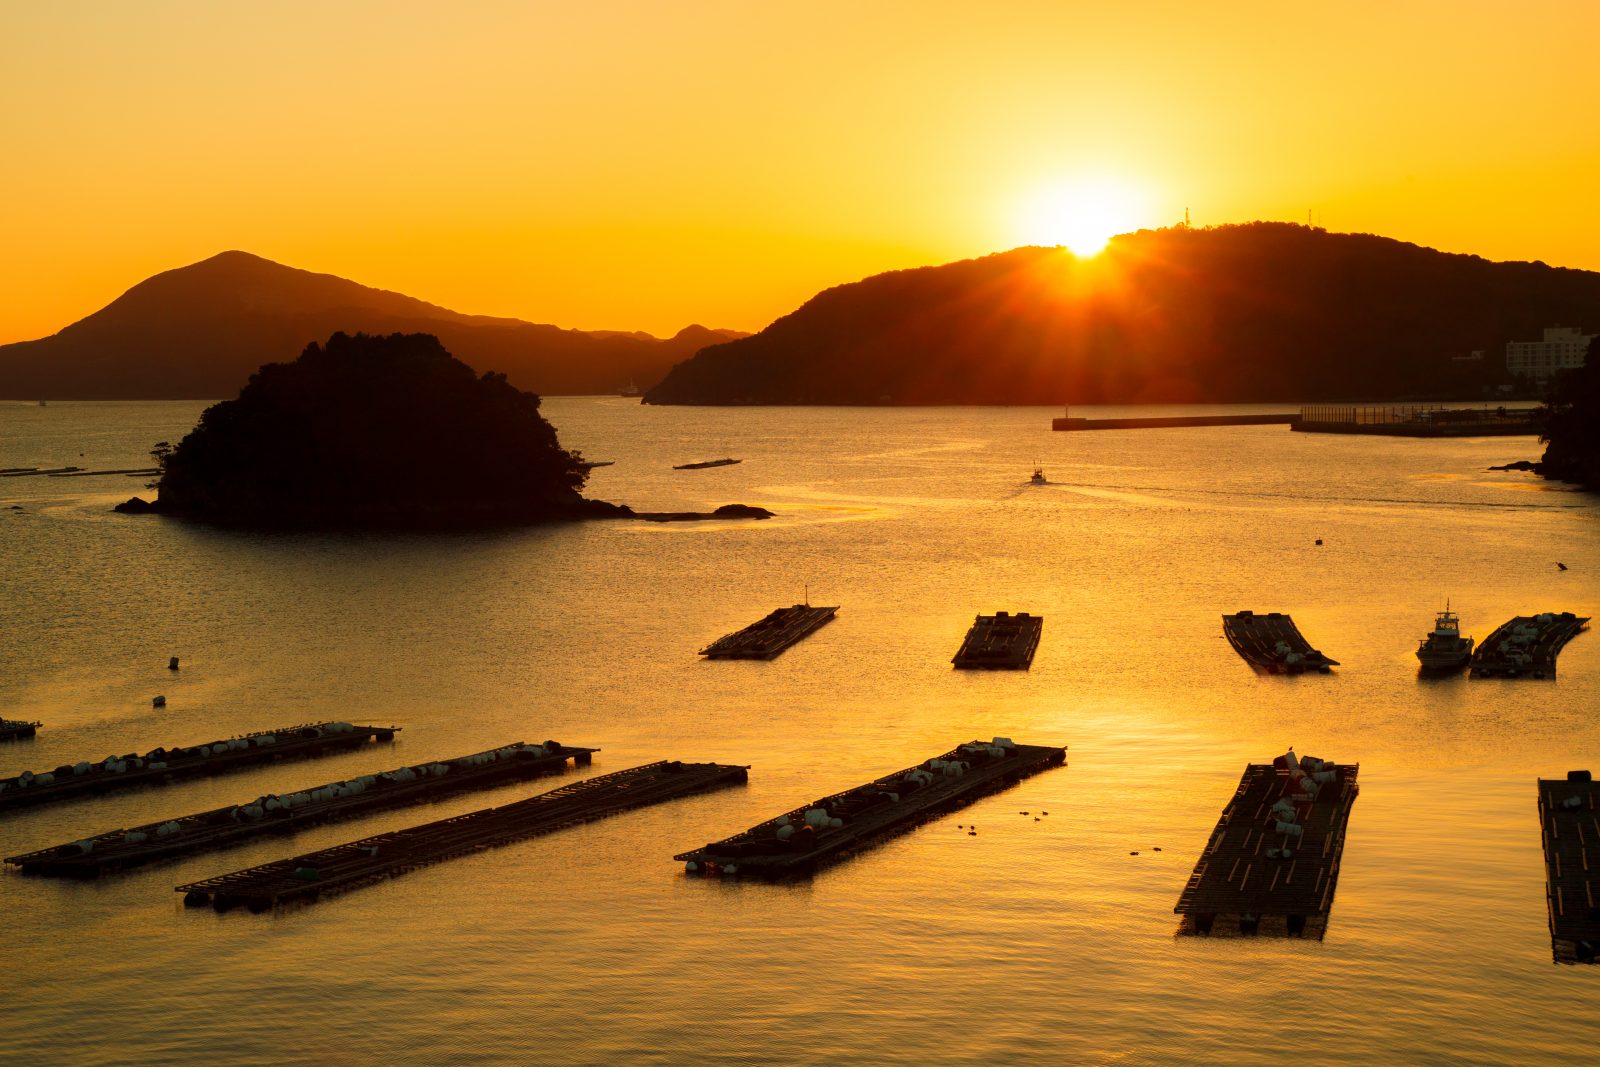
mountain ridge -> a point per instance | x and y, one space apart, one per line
1252 312
199 331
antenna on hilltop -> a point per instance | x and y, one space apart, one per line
1186 218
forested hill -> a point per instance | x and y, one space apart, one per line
199 332
1255 312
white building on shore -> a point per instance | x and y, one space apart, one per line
1563 348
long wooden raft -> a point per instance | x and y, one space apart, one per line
1243 884
1526 646
315 874
288 812
162 765
1000 642
1569 824
800 841
1273 643
768 637
18 729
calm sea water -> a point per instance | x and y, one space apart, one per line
1034 942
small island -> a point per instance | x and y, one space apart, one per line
377 432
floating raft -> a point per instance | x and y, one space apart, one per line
1526 646
32 472
308 877
1245 883
1569 824
280 814
770 636
706 463
17 729
1273 643
162 765
797 843
129 471
1000 642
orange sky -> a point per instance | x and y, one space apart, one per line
626 165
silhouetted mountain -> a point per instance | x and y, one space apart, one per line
373 432
1264 311
200 331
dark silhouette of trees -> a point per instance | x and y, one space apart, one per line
1572 428
372 432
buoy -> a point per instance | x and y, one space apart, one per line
172 664
158 702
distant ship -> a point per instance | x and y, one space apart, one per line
1038 477
1445 649
630 389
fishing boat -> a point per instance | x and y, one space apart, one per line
703 465
1445 649
1038 477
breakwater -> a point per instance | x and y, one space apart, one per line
1173 421
1417 420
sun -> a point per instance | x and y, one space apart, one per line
1084 215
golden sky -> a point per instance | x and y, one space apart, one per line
631 165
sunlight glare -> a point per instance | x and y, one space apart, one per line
1083 216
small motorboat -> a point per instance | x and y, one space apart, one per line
1038 477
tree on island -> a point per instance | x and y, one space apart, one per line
374 432
1572 428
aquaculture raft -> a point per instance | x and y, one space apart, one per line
797 843
1569 824
17 729
307 877
1526 646
1244 882
1273 643
285 813
1000 642
706 463
770 636
162 765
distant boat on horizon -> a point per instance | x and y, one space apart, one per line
630 389
1038 477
